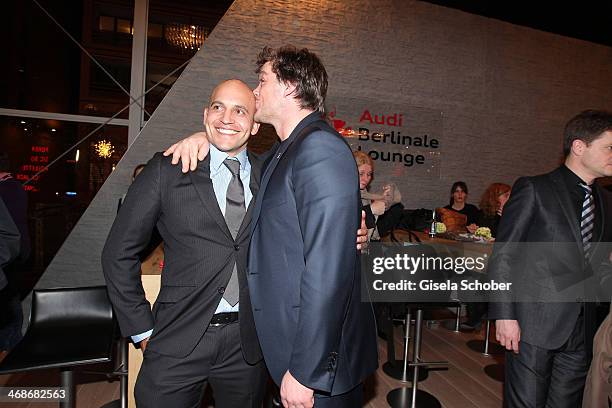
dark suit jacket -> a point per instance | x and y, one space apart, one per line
16 201
540 212
199 253
303 267
10 239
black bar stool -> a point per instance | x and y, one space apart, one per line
398 369
484 346
413 397
121 372
455 326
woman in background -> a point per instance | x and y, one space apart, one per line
491 206
458 197
383 211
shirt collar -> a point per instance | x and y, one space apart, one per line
310 118
571 178
217 157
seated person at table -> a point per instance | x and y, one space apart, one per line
458 197
491 206
383 211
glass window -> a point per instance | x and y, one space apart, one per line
155 30
124 26
106 23
120 71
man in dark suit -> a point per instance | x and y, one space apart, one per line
11 315
193 336
10 239
565 218
317 337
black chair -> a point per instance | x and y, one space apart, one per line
68 327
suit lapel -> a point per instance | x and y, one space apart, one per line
204 187
601 209
602 212
565 202
282 148
302 128
595 242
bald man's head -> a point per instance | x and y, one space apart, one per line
228 118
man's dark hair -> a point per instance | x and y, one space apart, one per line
586 126
301 68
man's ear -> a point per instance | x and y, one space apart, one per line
254 128
204 118
578 147
289 89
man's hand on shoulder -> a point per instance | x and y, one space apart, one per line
295 395
508 333
189 151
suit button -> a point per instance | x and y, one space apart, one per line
221 290
237 247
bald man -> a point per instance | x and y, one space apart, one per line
201 329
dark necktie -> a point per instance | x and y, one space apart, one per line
234 214
587 219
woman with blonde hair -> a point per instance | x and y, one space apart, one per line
386 205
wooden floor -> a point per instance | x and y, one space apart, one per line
463 385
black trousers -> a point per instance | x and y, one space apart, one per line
217 360
542 378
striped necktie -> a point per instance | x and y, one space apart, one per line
587 219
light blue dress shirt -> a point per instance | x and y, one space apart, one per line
221 177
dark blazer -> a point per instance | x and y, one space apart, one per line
16 201
303 267
540 212
198 258
10 239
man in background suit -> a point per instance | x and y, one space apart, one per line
317 337
10 240
549 342
11 315
193 336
